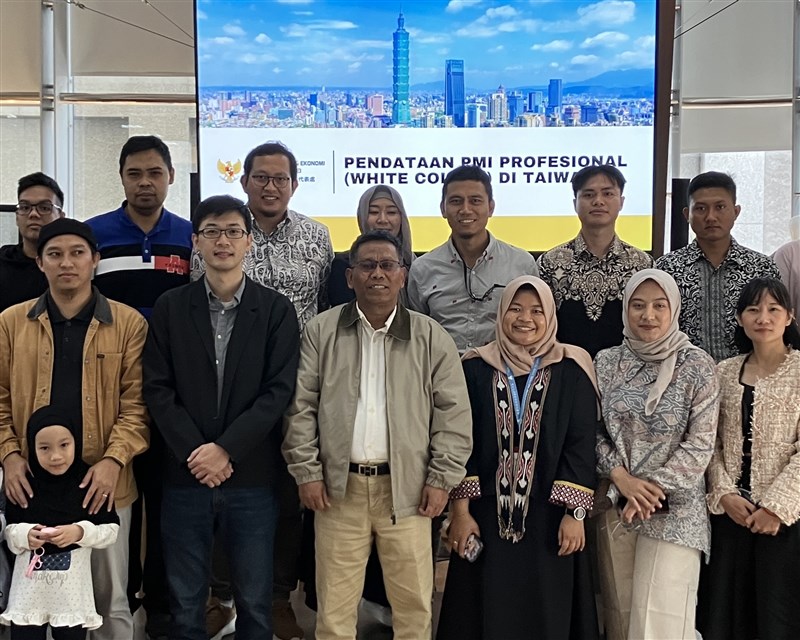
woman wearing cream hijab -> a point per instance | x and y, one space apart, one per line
660 399
380 208
530 482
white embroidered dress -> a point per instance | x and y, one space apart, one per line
58 598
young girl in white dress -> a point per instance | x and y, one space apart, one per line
53 537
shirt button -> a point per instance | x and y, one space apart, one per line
217 361
219 337
89 436
223 312
88 398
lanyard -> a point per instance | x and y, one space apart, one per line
512 387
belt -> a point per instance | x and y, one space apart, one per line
381 469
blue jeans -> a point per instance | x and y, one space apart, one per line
246 520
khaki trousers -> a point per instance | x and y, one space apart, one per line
110 578
343 536
649 586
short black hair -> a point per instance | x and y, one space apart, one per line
468 172
40 179
217 206
271 148
137 144
712 180
375 236
751 294
583 176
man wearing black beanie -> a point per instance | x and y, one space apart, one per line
75 348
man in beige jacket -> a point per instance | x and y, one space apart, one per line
77 350
377 435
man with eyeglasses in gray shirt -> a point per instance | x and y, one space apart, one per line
459 283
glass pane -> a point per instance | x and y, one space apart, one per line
20 155
763 189
100 132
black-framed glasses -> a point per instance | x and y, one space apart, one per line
212 233
44 208
368 266
468 285
262 180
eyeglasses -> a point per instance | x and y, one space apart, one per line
468 285
262 180
234 233
368 266
44 208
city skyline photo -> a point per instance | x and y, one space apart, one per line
315 43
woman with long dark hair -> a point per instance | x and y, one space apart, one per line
751 588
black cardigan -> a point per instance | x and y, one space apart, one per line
569 424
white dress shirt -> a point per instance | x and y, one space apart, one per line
371 428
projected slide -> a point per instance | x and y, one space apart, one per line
364 94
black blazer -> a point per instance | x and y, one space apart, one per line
180 380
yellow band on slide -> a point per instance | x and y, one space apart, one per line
533 233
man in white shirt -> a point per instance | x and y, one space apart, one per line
377 435
459 283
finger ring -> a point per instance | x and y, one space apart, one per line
105 495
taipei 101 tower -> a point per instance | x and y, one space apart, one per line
400 110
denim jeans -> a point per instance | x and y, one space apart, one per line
245 519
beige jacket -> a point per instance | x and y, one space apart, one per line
427 406
775 470
115 422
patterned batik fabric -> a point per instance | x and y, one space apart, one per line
575 273
469 487
709 294
569 494
517 451
294 259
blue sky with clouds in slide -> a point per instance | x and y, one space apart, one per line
348 43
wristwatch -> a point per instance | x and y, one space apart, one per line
579 513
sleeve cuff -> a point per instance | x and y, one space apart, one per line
569 494
469 487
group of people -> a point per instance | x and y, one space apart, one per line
597 423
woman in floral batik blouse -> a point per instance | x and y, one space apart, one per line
660 399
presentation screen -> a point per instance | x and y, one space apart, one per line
367 93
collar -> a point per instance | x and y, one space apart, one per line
384 328
289 219
101 312
489 250
164 220
84 315
400 327
581 248
735 253
237 295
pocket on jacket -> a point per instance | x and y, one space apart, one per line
109 366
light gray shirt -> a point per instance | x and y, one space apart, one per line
438 281
223 318
788 260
